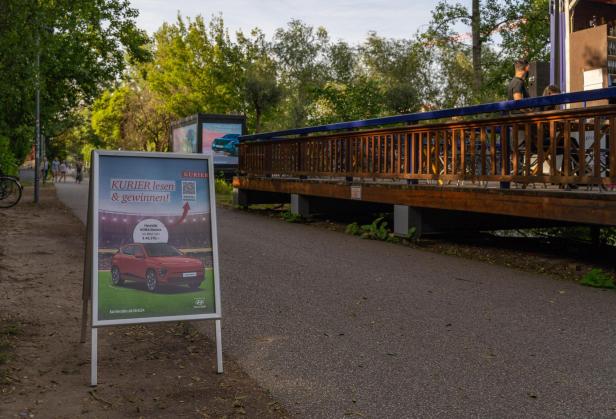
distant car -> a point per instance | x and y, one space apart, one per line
155 263
227 144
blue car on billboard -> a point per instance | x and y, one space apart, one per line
226 144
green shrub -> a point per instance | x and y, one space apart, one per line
8 162
598 278
608 236
291 217
377 230
223 187
353 229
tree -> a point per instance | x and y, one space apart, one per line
261 90
78 137
501 31
402 69
348 93
299 50
131 117
196 68
83 47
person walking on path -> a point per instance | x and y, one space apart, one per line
55 169
78 172
62 171
44 169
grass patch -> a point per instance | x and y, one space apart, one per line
598 278
291 217
224 191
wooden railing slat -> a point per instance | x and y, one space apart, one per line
612 149
482 139
582 147
567 148
454 153
514 146
493 150
552 148
462 153
527 149
540 151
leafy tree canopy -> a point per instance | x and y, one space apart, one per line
83 47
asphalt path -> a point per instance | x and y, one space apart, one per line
335 326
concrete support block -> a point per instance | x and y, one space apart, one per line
405 218
300 205
240 197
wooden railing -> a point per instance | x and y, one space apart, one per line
559 147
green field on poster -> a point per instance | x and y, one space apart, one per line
132 300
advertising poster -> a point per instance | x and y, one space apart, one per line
221 139
155 248
185 139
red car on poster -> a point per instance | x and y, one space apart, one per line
156 264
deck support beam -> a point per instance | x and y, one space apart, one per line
300 205
240 197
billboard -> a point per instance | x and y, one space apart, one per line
185 139
154 242
211 134
221 140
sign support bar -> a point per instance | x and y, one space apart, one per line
218 347
94 358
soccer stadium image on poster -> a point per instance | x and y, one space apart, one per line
155 248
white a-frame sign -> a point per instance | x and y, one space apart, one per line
152 247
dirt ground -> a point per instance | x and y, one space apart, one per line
164 370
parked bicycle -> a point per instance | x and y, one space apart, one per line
10 190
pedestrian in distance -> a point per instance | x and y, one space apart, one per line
63 169
55 169
551 90
44 169
78 172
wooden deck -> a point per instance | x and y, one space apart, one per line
556 165
584 207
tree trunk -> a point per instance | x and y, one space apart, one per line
476 30
257 119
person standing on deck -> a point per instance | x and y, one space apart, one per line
517 86
516 90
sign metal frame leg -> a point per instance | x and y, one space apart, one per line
94 358
86 290
219 368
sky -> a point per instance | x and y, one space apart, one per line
344 19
